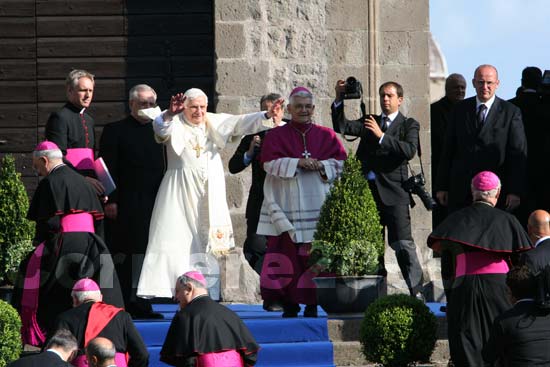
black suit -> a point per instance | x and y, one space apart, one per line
440 114
388 161
538 258
44 359
499 146
520 337
254 245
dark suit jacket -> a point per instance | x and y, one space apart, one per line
256 193
387 160
44 359
440 114
539 257
520 337
500 146
65 128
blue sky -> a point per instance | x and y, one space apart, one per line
509 34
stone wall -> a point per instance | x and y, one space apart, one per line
273 45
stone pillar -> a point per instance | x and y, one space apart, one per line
274 45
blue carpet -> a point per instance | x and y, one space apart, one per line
284 342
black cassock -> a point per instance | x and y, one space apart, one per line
67 256
475 299
204 326
136 163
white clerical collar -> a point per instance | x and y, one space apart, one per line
525 300
541 239
488 104
82 111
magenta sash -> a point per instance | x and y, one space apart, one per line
81 222
81 361
31 333
480 262
81 158
228 358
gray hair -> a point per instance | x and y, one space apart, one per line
302 94
84 296
484 195
63 339
102 351
75 75
133 94
193 93
184 279
50 154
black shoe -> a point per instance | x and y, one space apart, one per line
291 310
310 311
273 306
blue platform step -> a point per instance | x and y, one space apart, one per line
297 341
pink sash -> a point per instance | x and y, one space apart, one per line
81 222
81 158
31 333
229 358
81 361
480 262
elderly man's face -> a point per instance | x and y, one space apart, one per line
39 164
81 94
195 110
301 109
485 82
183 295
455 89
144 99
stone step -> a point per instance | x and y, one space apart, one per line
349 353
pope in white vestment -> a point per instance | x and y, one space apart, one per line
190 220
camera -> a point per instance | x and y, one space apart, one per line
415 185
353 90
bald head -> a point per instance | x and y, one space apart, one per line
100 352
538 224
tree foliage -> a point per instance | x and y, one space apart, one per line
397 331
348 240
10 334
16 231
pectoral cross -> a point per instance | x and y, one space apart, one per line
197 148
306 154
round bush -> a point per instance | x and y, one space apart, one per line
10 334
398 330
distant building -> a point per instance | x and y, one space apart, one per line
438 70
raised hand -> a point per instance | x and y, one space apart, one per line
276 108
176 104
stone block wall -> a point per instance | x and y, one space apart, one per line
274 45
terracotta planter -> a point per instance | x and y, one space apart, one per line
349 294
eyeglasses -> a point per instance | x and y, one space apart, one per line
489 83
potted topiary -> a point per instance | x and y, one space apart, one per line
397 331
10 337
16 232
348 244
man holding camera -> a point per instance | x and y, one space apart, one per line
388 142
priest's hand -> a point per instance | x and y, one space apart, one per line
276 109
176 105
111 210
254 147
309 164
442 197
98 186
371 124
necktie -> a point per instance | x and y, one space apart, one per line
481 115
384 125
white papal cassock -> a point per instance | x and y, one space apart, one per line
191 219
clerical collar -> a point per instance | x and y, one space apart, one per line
525 300
541 239
302 128
55 352
56 167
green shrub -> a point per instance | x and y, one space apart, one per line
16 232
398 330
10 334
348 240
